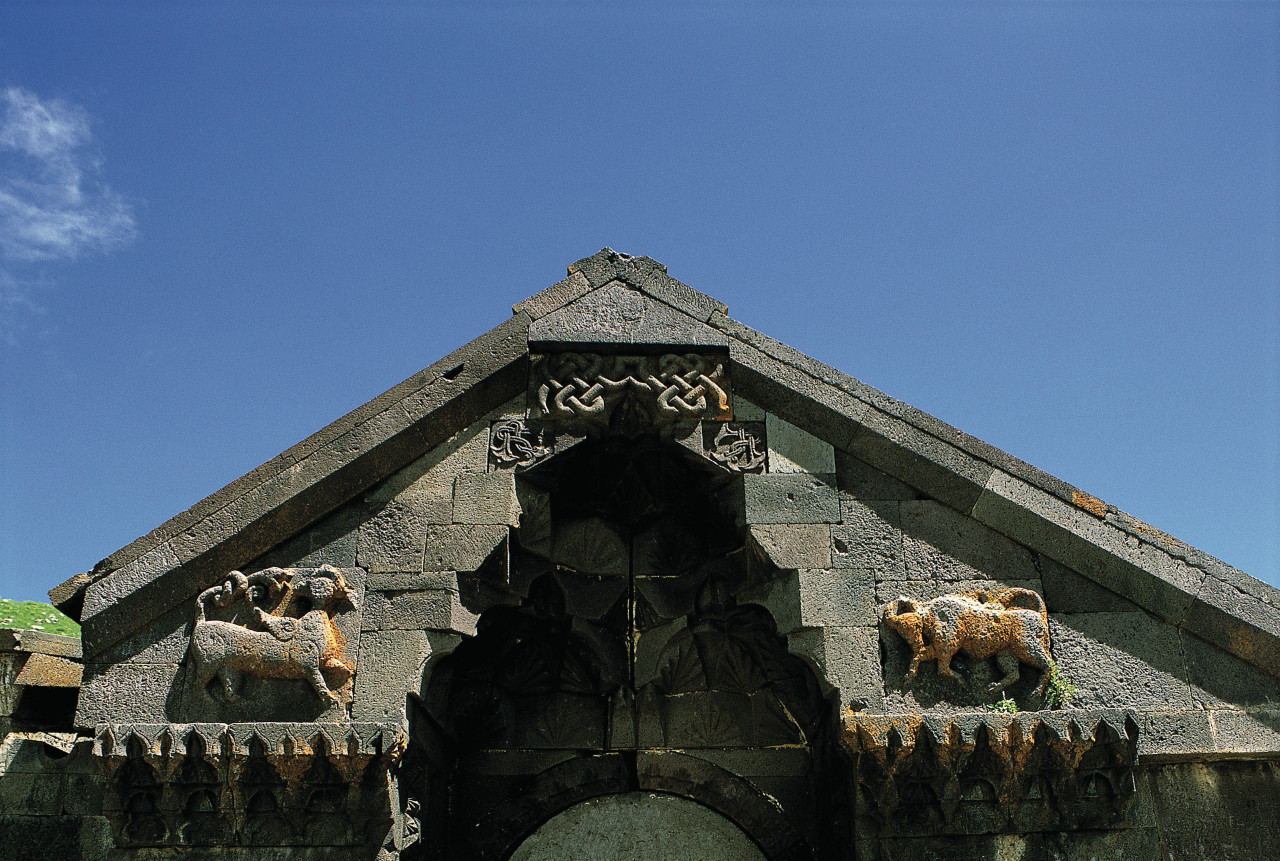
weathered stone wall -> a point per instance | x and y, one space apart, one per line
724 576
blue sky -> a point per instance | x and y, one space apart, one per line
1052 225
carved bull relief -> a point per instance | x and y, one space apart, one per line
295 638
1011 625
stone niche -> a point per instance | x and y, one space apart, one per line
614 664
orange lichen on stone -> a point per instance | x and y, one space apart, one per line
1145 529
1089 503
1011 625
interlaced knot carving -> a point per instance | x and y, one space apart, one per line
673 387
513 442
739 448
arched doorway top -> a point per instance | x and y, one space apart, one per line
646 826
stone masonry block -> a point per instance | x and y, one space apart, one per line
793 545
404 581
926 590
392 540
745 411
162 641
862 481
869 536
847 659
426 485
813 598
125 693
1175 733
1221 680
837 597
1253 732
939 542
617 314
1065 591
1120 660
788 498
437 610
1081 541
794 450
460 547
391 666
1235 620
486 498
938 468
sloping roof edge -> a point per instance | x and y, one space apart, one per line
1171 579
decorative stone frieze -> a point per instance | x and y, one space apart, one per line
993 773
263 784
631 392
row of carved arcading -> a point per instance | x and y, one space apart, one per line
993 773
250 785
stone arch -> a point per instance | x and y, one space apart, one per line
571 783
619 639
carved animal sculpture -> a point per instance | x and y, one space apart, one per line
287 648
1010 624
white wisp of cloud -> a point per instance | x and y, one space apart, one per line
51 206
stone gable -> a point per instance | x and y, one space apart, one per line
623 545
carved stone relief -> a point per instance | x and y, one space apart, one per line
740 447
993 773
275 625
1010 625
248 784
513 443
631 393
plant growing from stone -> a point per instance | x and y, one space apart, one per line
1061 690
1006 705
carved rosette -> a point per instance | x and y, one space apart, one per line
651 390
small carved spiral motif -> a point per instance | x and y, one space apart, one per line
515 442
738 449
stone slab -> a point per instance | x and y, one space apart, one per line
794 450
486 498
869 536
941 543
792 545
862 481
391 666
616 314
838 597
1085 543
1121 660
846 659
461 547
787 498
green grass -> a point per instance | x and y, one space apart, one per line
35 616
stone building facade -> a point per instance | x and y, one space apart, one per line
624 578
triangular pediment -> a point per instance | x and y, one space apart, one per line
819 466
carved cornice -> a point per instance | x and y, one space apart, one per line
657 389
992 772
255 784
